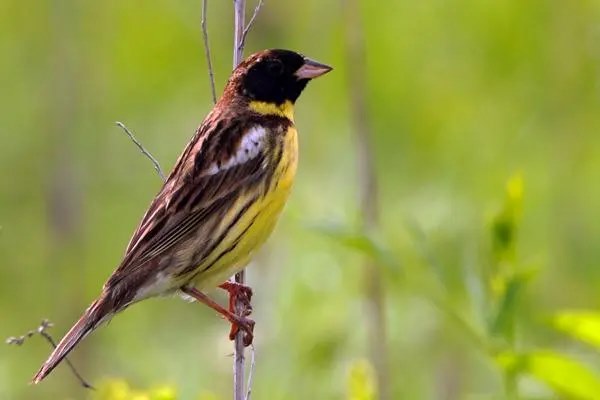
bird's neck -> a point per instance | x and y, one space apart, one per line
285 109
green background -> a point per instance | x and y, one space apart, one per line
462 95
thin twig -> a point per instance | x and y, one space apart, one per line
142 149
211 75
238 33
42 331
250 373
239 7
239 358
247 29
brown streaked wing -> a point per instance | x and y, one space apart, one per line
192 193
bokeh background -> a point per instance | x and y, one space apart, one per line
484 119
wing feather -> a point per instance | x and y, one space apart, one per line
221 162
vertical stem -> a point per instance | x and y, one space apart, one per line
239 358
373 288
211 75
238 352
239 25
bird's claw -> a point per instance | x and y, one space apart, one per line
240 295
238 292
246 325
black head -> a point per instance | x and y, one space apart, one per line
276 76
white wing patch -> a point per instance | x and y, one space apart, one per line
250 147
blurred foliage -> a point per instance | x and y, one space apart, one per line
361 384
583 325
504 225
567 376
490 293
120 390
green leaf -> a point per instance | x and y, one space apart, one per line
503 323
563 374
583 325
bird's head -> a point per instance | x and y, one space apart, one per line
274 76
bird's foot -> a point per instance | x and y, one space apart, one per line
237 321
238 292
239 305
246 325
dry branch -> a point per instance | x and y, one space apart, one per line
247 29
145 152
211 75
238 352
42 331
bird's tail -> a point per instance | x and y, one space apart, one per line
99 311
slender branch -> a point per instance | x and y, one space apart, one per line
42 331
211 75
250 373
239 11
238 33
247 29
142 149
239 358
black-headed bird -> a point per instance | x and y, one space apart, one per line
220 202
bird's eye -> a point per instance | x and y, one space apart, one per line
275 68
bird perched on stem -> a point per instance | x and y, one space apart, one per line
220 202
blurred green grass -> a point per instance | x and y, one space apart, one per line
462 93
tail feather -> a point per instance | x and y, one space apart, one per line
96 313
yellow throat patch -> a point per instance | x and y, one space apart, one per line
284 110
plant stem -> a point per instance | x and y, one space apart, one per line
239 357
211 75
145 152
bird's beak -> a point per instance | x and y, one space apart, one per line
311 69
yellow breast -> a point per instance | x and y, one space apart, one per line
257 223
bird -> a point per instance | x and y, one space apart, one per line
220 202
